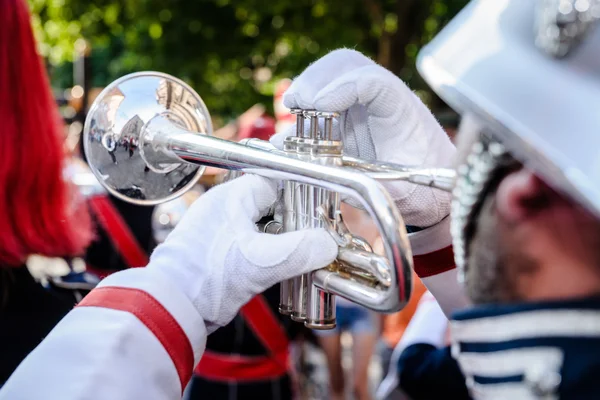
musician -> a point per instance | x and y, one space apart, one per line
526 224
44 226
526 220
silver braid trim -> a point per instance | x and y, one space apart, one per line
472 182
562 24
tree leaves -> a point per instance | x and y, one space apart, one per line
233 52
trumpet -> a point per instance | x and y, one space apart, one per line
147 138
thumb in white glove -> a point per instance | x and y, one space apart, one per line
380 119
218 258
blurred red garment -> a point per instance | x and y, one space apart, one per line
394 325
262 128
41 212
44 225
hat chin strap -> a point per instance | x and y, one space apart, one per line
481 172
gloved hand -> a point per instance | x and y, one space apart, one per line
380 119
219 260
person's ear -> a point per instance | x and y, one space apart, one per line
520 195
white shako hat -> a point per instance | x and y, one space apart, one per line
528 71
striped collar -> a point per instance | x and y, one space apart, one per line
493 323
528 350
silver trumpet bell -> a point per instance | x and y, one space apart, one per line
147 139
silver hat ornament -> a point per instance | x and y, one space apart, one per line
562 24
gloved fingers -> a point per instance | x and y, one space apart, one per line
254 198
356 133
278 138
289 254
372 86
319 74
241 201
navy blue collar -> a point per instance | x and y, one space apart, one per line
528 350
493 310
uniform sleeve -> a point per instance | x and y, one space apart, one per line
427 326
434 264
428 372
426 369
135 336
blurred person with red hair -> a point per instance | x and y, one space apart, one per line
41 214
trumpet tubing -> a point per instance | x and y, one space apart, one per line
147 140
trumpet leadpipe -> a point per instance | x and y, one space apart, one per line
439 178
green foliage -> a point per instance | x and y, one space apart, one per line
233 51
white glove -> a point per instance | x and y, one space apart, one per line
381 119
220 261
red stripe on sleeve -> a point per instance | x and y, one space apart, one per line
434 263
155 317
